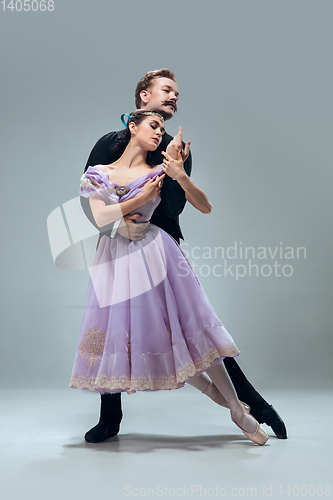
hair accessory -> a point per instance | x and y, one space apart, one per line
142 112
122 118
154 113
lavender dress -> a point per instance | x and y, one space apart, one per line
147 323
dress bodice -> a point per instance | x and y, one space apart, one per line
95 182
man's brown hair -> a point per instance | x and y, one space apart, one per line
147 80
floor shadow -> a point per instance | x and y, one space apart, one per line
147 443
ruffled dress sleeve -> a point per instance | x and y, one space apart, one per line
94 182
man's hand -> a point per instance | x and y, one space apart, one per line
130 230
176 145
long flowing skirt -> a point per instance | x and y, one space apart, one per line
148 324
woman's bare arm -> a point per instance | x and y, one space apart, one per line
105 214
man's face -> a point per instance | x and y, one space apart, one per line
161 96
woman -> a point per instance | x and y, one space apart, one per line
148 324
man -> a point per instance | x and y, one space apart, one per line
157 90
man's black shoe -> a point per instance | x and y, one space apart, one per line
272 418
110 418
102 431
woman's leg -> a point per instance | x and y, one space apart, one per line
200 382
207 387
221 379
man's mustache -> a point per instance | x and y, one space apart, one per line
171 103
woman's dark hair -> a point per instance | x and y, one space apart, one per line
136 117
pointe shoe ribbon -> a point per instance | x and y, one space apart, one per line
214 394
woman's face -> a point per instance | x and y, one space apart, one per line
149 132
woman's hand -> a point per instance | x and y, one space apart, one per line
152 187
173 168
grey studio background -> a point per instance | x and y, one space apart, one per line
255 82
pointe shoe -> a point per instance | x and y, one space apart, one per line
258 437
214 394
